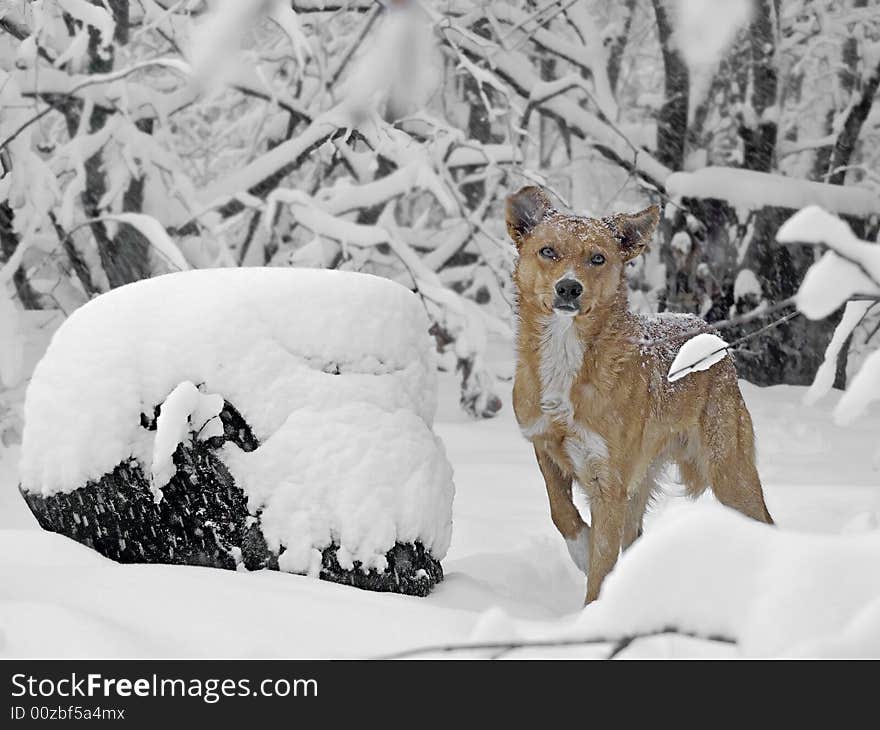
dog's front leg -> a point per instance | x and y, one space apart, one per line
608 511
563 511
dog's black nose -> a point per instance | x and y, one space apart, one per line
569 289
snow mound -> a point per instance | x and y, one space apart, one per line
710 571
333 371
358 476
698 353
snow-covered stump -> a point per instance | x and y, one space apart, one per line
264 418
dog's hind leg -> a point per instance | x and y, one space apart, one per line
731 464
563 511
636 504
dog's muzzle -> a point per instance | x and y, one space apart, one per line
568 292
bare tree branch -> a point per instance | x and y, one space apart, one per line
618 644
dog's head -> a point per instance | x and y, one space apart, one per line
571 265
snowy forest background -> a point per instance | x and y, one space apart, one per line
145 136
139 137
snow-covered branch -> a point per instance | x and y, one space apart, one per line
848 273
514 69
850 268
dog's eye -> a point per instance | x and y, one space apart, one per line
597 259
548 253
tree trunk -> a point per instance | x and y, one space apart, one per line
836 158
8 243
672 118
618 45
125 257
846 142
759 134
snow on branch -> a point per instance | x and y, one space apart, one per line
328 6
151 229
90 14
286 18
515 69
470 154
414 160
319 131
319 214
156 234
49 82
343 198
752 190
849 272
850 268
853 314
308 213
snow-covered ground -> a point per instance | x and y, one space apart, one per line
508 573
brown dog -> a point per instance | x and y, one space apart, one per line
591 391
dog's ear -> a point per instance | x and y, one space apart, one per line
633 230
525 210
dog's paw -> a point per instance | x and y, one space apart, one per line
579 549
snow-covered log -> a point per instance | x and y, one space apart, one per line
259 417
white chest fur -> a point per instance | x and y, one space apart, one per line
561 359
562 356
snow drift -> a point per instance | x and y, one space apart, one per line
300 402
713 572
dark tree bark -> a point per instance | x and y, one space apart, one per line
848 78
618 45
119 8
760 139
125 257
114 261
8 243
846 142
77 262
479 124
832 161
672 132
673 115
